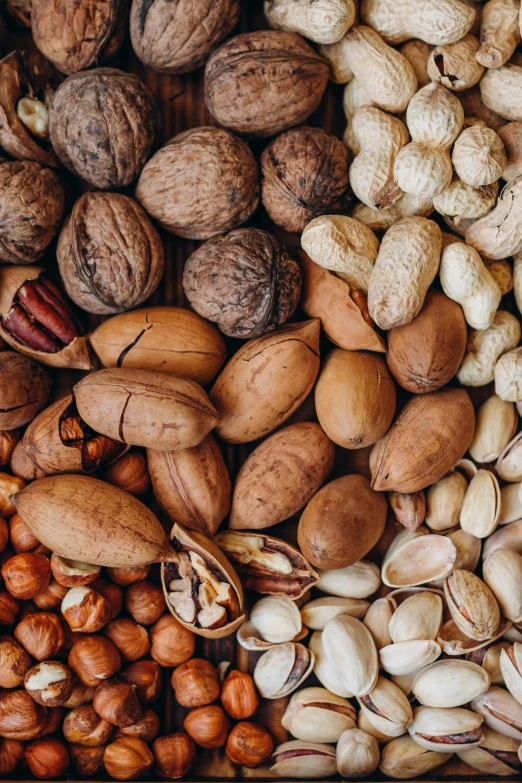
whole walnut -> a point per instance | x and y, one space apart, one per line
110 256
244 281
31 207
103 125
74 34
176 37
202 183
305 174
263 82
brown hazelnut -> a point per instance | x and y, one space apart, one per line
40 634
127 758
249 744
131 639
94 658
27 574
21 464
146 728
113 595
239 695
129 473
171 643
21 717
195 683
145 602
4 534
24 389
72 573
146 676
109 254
102 125
86 762
84 726
204 182
11 755
84 609
173 755
51 597
49 683
22 538
47 758
208 726
14 662
81 694
115 700
127 575
9 485
9 608
8 441
53 721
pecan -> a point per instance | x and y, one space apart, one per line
95 449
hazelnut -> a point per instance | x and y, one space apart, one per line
84 726
195 683
21 464
113 595
4 534
40 634
94 658
14 662
47 758
8 441
127 758
21 717
208 726
11 755
249 744
9 607
9 485
171 643
239 695
173 755
131 639
53 721
73 573
146 676
86 762
22 538
51 597
146 728
49 683
145 602
115 700
81 694
84 609
129 473
27 574
128 575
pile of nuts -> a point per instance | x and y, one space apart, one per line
361 337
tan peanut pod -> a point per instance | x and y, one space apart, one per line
501 90
433 21
479 156
499 32
517 279
322 21
379 138
474 106
460 200
417 53
382 219
485 347
405 267
511 136
508 376
387 76
354 97
465 279
499 234
454 65
340 72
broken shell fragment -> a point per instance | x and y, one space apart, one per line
446 730
403 758
417 557
351 652
277 619
511 668
509 463
387 708
418 617
472 605
282 669
405 657
444 502
357 754
500 711
454 642
497 755
502 572
481 507
377 620
304 760
450 683
315 614
317 715
249 638
326 675
355 581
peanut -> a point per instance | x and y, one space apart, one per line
499 234
433 21
501 90
478 156
502 273
517 280
417 53
474 106
511 136
382 219
454 65
465 279
322 21
335 55
499 33
508 376
461 200
485 347
355 96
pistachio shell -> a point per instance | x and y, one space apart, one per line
431 722
444 502
364 724
249 638
282 669
350 650
502 572
468 549
405 657
481 507
403 758
490 758
454 642
277 619
509 463
318 762
472 605
326 674
417 558
450 683
505 537
387 708
500 711
315 614
511 667
359 580
317 715
418 617
357 754
495 425
377 620
405 682
510 504
491 662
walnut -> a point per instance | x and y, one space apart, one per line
109 254
74 34
202 183
263 82
31 207
178 37
103 125
244 281
305 174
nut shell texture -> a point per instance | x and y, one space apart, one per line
24 389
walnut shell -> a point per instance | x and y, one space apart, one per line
102 125
109 254
305 174
31 207
202 183
178 37
245 282
263 82
73 34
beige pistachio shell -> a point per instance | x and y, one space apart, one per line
357 754
490 758
249 638
387 708
418 617
364 724
510 504
468 549
282 669
500 711
324 672
481 507
403 759
304 760
317 715
431 722
505 537
444 502
472 605
495 425
350 650
454 642
491 662
509 463
277 619
405 657
315 614
405 682
450 683
415 558
359 580
511 668
502 572
377 620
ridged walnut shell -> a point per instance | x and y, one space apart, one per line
109 254
426 353
145 408
427 439
280 476
263 82
192 485
266 381
165 339
24 389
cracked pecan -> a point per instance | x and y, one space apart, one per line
25 387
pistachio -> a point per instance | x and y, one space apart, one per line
405 682
501 711
444 502
315 614
509 463
454 642
249 638
350 651
317 715
502 572
481 507
356 581
357 754
387 708
468 549
511 668
403 758
303 760
505 537
418 617
416 557
472 605
497 755
377 620
490 661
405 657
364 724
277 619
450 683
409 508
510 504
282 669
495 425
446 730
326 674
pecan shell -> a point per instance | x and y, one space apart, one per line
25 387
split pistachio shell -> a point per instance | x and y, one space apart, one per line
468 549
491 662
357 754
446 730
416 557
387 708
467 467
364 724
351 651
377 620
513 634
502 572
450 683
304 760
501 712
326 675
481 507
454 642
405 657
509 463
277 619
497 755
418 617
495 425
315 614
472 605
317 715
282 669
505 537
511 667
249 638
444 502
510 504
403 758
356 581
